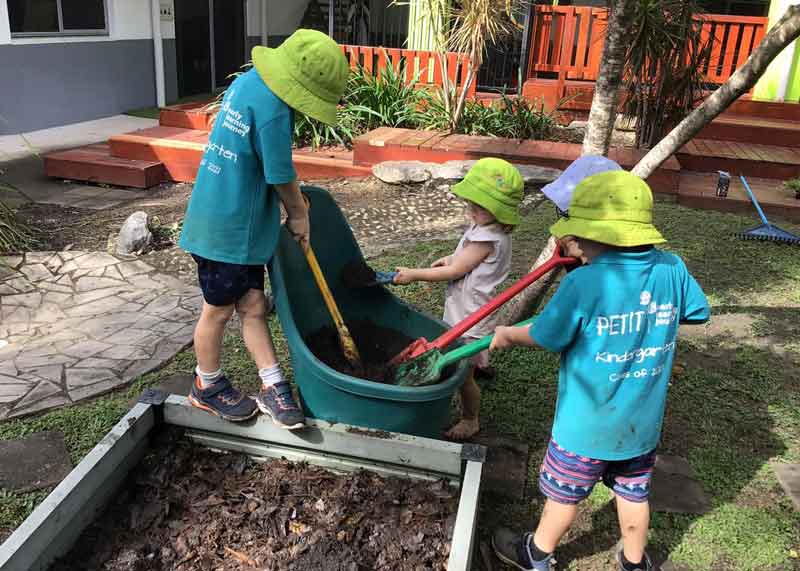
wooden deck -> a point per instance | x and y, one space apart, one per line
749 159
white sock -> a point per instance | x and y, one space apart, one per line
207 379
270 375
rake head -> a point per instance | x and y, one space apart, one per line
771 233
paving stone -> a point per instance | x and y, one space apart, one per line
144 281
69 266
11 261
162 304
18 315
142 367
82 377
125 352
94 390
25 299
139 296
48 313
42 390
91 284
38 461
131 336
105 305
100 363
86 349
38 257
113 273
65 280
165 351
95 260
12 392
180 314
96 273
789 478
42 349
6 273
54 263
7 368
36 272
168 281
57 297
20 284
52 373
25 362
674 488
134 268
506 468
166 327
184 335
90 296
53 286
7 290
49 403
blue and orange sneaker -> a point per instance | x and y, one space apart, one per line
515 550
222 399
278 402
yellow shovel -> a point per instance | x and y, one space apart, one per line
345 339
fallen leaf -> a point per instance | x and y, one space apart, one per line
298 527
320 505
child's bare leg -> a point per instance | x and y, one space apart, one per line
468 426
554 523
208 336
634 521
252 310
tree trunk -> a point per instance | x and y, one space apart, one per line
603 113
779 37
527 301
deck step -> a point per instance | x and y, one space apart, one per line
186 116
95 163
750 129
749 159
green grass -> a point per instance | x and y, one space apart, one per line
735 410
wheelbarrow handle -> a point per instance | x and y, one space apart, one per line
449 336
474 347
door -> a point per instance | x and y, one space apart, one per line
229 39
193 46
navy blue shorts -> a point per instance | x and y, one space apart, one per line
225 284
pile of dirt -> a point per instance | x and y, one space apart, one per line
190 509
358 274
377 345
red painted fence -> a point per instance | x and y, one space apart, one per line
422 66
567 43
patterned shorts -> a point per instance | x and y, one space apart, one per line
568 478
224 284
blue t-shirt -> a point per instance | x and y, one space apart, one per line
233 214
615 323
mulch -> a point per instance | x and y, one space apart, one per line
187 508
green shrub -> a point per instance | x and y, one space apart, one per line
14 236
793 185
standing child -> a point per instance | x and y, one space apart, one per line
233 218
493 189
615 322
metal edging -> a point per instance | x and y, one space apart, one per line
399 450
462 545
50 531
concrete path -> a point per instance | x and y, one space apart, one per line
74 135
74 325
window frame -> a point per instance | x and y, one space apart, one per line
61 31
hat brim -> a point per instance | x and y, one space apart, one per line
504 214
273 70
612 232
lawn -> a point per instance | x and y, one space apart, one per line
733 411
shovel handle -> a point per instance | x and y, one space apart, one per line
475 347
466 324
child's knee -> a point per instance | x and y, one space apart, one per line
253 305
217 313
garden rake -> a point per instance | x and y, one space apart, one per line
765 230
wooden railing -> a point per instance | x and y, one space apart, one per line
567 42
420 66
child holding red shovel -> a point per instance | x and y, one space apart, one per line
493 189
615 322
233 218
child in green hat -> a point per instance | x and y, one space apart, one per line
614 321
493 189
233 217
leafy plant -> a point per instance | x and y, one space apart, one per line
663 77
793 185
14 236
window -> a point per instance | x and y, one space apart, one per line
49 17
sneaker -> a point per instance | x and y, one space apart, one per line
223 400
514 550
278 402
646 564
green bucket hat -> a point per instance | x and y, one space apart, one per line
614 207
496 185
308 72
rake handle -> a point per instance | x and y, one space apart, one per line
449 336
474 347
753 200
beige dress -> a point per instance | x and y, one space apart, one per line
467 295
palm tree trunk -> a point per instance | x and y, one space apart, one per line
781 35
603 113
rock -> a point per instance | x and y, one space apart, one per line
396 172
532 174
451 170
134 235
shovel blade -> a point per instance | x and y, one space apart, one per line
420 371
417 348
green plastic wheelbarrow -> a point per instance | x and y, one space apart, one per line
326 393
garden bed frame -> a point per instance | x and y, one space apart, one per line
53 527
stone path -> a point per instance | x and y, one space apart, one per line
79 324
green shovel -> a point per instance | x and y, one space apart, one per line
427 368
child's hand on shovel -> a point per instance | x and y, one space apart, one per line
300 229
505 337
404 276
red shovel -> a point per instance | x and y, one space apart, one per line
422 345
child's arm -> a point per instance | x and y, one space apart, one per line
297 211
505 337
467 260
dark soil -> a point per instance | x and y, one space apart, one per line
376 344
187 508
358 274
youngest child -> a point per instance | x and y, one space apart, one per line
493 189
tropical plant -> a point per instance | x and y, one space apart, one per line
794 186
664 65
14 236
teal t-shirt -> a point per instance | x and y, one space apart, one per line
234 214
615 323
